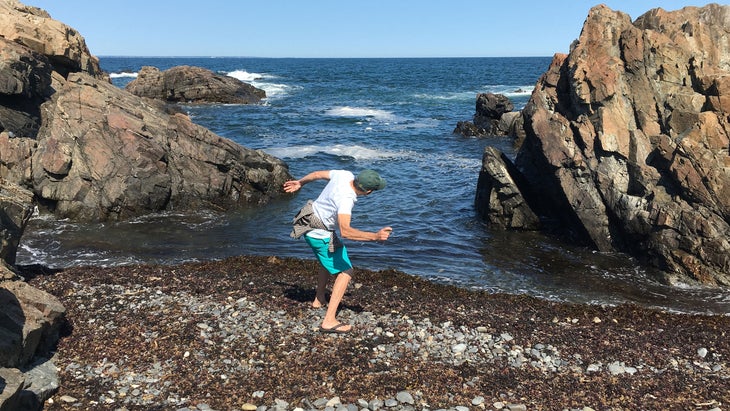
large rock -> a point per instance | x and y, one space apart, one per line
104 153
187 84
29 323
499 200
627 139
493 117
34 28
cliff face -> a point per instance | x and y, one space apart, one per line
627 139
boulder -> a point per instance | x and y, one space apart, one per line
29 323
627 139
490 106
493 117
187 84
499 199
104 153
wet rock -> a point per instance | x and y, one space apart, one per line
499 198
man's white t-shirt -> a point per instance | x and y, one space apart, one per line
338 197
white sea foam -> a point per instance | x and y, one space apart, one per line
259 80
464 95
359 112
506 90
356 152
510 91
123 74
245 76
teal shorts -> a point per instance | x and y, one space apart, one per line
334 263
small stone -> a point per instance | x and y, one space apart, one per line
376 404
702 352
258 394
596 320
334 401
391 402
498 405
616 368
458 348
248 407
68 398
516 407
478 400
404 397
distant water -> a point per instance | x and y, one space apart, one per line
393 115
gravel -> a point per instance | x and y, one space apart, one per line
240 334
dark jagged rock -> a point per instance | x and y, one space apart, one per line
499 199
187 84
493 117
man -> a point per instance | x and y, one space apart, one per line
319 222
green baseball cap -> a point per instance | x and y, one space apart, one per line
369 180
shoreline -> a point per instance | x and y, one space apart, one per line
241 334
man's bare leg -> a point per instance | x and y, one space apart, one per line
319 296
338 291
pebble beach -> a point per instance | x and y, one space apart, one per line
240 334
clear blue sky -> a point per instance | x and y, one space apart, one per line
333 28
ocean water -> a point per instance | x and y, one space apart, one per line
395 116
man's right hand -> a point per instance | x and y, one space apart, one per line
384 233
292 186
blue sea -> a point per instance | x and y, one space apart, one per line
392 115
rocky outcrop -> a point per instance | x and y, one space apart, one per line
90 151
627 139
76 144
187 84
104 154
493 117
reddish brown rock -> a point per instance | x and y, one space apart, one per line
627 139
104 153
